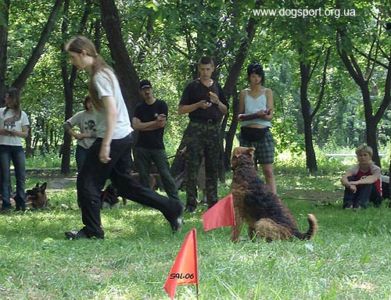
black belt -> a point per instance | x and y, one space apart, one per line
205 121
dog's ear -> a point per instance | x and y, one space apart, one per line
236 152
37 185
250 151
43 187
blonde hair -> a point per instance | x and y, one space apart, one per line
79 43
364 148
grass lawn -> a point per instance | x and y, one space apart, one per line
348 259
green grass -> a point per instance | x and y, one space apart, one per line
348 259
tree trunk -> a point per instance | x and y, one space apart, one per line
232 79
20 81
231 131
311 163
123 66
4 6
68 84
65 151
371 120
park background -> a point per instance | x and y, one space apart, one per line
331 78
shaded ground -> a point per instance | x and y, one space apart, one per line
313 195
53 177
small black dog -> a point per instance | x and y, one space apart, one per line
37 196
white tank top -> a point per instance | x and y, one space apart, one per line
253 105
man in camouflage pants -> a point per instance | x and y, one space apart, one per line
203 99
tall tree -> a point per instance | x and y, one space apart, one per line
69 78
232 79
20 81
4 18
123 66
306 72
375 53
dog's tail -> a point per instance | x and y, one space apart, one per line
311 231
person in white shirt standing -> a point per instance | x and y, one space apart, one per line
14 126
86 122
109 155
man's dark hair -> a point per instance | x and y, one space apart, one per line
205 60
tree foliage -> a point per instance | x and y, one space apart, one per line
164 39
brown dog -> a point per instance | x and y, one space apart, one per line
267 217
37 196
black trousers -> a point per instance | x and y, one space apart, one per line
93 176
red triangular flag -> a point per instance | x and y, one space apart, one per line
219 215
185 267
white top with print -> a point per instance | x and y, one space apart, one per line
7 121
86 121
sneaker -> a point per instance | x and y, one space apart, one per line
81 234
20 208
5 210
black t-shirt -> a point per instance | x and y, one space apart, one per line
194 92
152 139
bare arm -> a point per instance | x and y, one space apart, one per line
215 100
77 135
269 105
365 180
345 180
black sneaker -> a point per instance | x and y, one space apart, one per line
5 210
81 234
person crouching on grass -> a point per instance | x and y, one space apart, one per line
109 155
362 181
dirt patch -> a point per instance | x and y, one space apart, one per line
61 183
55 180
313 195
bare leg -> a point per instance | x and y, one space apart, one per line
269 177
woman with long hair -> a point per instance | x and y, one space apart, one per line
109 156
14 126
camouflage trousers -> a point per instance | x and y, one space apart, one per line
202 140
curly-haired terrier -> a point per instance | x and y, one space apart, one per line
267 217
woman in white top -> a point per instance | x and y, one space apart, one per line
255 115
109 155
14 126
86 122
